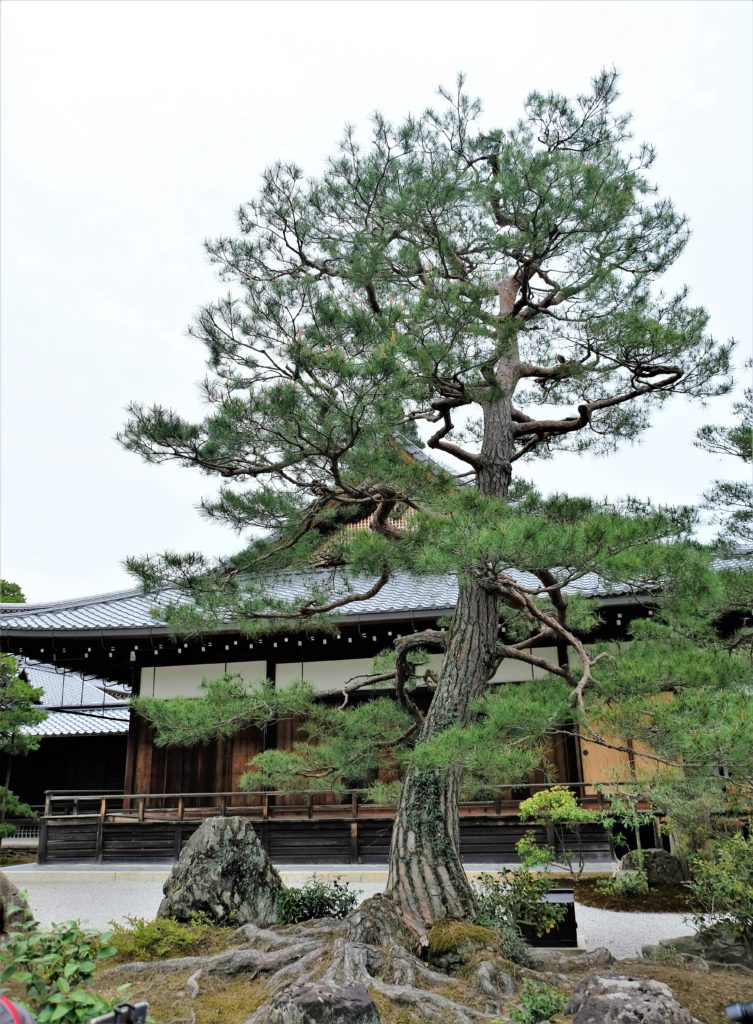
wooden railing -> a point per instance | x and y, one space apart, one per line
83 825
265 804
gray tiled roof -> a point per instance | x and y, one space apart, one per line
75 705
131 610
63 688
100 722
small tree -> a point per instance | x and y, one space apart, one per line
11 593
503 276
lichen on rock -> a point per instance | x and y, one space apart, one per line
224 874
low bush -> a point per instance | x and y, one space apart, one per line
722 887
315 899
537 1003
517 898
54 966
164 938
513 946
625 885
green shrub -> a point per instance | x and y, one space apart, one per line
315 899
537 1003
513 946
722 886
559 808
53 966
625 884
164 938
515 899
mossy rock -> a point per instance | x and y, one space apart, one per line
453 943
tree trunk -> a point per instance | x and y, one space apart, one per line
426 875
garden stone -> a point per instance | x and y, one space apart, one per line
716 945
662 868
320 1004
224 873
615 999
10 897
563 963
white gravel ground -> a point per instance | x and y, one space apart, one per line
99 896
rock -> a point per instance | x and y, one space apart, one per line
718 944
615 999
14 907
224 873
662 868
564 963
320 1004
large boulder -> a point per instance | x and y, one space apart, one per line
615 999
320 1004
13 906
224 873
662 868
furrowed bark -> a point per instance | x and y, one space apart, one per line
426 876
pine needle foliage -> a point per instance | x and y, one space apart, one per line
492 295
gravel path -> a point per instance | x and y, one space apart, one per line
103 895
624 934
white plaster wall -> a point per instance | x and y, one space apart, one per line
323 675
185 680
327 675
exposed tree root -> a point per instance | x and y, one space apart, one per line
372 948
233 961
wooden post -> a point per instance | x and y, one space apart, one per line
310 805
354 804
48 803
354 842
42 847
100 839
180 808
142 803
223 805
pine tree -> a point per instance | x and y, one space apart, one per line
499 286
19 708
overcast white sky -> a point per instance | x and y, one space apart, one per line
131 131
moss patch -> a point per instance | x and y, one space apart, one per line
391 1013
220 1001
449 935
671 900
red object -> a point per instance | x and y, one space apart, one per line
11 1008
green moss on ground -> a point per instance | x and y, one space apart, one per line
449 935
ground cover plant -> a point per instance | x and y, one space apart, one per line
163 938
54 969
